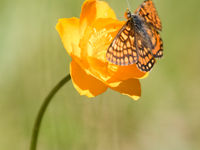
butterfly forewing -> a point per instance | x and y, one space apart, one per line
148 12
122 51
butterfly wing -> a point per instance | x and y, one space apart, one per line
157 43
122 50
146 59
148 12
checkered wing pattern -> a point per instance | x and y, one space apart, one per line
148 12
146 59
122 50
157 43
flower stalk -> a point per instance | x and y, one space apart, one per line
42 110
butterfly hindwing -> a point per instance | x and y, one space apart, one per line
157 43
146 59
148 12
122 50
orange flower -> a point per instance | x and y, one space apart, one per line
86 40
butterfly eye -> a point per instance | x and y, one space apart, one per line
127 14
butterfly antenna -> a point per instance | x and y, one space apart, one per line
128 4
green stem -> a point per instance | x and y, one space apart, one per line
42 110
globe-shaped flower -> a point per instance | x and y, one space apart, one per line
86 41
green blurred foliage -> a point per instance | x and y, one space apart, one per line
33 60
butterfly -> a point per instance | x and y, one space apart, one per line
138 41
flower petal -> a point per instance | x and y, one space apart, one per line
127 72
130 87
84 83
92 10
68 29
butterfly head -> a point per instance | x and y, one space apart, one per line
127 14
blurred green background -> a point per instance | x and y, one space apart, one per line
33 60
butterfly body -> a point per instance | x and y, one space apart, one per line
138 41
